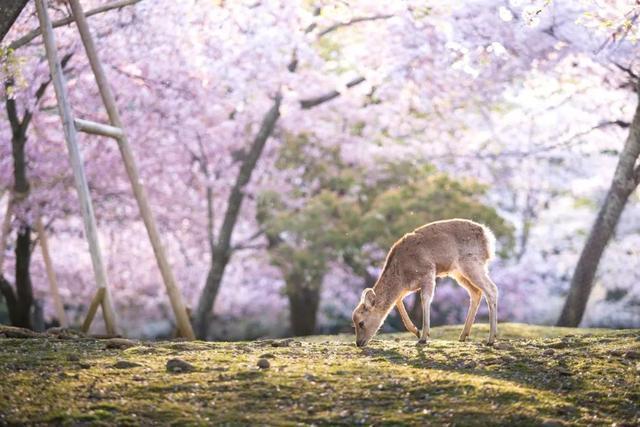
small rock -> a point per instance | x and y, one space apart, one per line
73 358
632 354
125 364
558 344
179 365
551 423
564 372
119 343
508 359
310 377
549 352
268 356
470 364
282 343
84 365
500 345
263 363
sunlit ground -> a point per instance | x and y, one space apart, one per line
533 375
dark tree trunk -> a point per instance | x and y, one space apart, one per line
222 251
19 303
625 181
303 309
219 261
24 291
9 299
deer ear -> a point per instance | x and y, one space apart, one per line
368 297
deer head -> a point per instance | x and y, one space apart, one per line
367 317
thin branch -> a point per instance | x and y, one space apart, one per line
245 247
352 21
69 19
204 167
28 114
627 70
246 169
247 243
315 101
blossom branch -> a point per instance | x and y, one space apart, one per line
18 43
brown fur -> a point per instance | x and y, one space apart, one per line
457 248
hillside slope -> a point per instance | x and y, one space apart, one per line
534 375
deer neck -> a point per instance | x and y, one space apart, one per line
387 293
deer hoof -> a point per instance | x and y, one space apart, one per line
422 341
490 343
462 338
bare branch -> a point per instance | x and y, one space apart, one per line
627 70
247 243
204 168
28 114
254 246
352 21
69 19
315 101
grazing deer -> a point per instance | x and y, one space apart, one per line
456 248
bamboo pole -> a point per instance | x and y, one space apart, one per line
51 274
75 158
179 310
98 128
98 299
4 232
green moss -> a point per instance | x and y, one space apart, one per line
535 375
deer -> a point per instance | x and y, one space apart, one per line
457 248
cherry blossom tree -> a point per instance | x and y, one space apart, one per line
530 100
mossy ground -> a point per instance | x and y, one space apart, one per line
536 375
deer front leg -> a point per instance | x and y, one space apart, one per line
426 296
406 320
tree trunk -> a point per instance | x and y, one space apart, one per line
19 302
24 291
223 246
303 308
222 252
219 261
625 181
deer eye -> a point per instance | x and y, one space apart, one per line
361 324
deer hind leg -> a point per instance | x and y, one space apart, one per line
426 296
475 296
476 273
406 320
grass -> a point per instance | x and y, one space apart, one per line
535 375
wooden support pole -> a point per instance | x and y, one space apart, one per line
4 232
90 228
98 128
179 310
98 299
51 274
